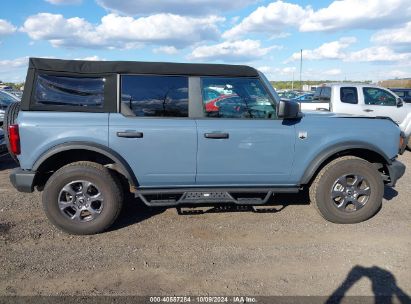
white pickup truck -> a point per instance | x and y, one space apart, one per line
361 99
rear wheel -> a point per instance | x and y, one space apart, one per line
82 198
347 190
10 117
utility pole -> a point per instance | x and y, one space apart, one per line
292 83
301 69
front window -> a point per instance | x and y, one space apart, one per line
237 98
376 96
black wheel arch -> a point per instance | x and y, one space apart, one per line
363 150
113 159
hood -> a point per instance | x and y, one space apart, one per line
339 115
328 114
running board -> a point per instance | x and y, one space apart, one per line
239 196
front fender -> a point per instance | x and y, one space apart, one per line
405 126
320 158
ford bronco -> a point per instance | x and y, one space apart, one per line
179 134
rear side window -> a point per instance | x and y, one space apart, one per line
349 95
69 91
322 94
155 96
400 93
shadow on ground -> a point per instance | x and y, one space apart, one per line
383 283
6 162
134 210
390 193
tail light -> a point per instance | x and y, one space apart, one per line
14 139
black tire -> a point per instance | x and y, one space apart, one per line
321 191
104 181
10 117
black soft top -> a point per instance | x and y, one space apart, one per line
136 67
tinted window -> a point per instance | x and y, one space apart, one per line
376 96
325 94
238 98
400 93
155 95
71 91
322 94
349 95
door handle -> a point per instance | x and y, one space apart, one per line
216 135
368 110
130 134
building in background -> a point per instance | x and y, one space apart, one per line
396 83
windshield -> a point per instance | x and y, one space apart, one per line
6 99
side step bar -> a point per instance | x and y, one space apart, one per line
240 196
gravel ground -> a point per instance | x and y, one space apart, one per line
283 249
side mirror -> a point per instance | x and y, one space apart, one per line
288 110
400 103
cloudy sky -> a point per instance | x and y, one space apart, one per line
346 39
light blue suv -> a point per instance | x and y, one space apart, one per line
85 128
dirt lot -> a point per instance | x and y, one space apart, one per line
286 249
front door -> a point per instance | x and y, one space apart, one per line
240 139
379 102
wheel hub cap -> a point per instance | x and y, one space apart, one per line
350 192
81 201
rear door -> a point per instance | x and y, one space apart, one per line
240 139
153 132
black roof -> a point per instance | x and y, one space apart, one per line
136 67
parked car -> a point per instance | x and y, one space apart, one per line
304 98
18 94
404 93
362 99
288 95
3 147
161 141
5 100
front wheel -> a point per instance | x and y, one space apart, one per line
82 198
347 190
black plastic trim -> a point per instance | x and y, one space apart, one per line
210 195
125 169
246 189
324 155
23 180
396 171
